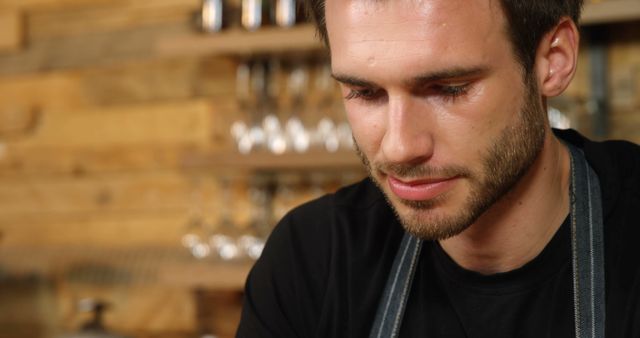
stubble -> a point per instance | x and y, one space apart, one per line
504 163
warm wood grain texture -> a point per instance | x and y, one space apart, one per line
120 192
205 275
70 4
158 228
239 42
156 123
115 138
611 11
93 49
11 31
26 307
146 308
65 21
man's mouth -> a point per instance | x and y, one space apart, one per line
420 189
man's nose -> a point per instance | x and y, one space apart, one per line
408 136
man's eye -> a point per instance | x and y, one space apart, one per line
364 94
453 91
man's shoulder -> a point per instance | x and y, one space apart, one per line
617 162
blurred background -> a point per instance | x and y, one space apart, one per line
147 148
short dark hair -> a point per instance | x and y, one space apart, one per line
528 21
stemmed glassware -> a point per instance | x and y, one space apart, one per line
239 128
278 116
253 240
226 241
297 85
271 123
197 231
270 198
326 133
251 94
223 241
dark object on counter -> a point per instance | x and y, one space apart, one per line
93 328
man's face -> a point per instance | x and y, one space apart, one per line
437 104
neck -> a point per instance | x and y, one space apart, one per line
519 225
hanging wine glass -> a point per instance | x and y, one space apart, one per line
275 137
223 241
254 137
239 128
196 232
252 242
251 14
286 13
297 134
211 15
324 134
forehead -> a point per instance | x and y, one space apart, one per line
395 32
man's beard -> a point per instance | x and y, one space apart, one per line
504 163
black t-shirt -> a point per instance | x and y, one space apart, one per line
325 265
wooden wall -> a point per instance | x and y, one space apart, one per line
97 128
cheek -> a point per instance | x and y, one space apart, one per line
367 125
487 112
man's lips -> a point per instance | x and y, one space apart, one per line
421 189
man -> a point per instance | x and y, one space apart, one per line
477 220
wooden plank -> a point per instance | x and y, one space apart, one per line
205 275
136 310
55 200
97 48
155 123
102 194
158 216
75 21
128 138
610 11
11 31
238 41
160 80
122 230
23 162
26 307
131 82
48 5
219 311
41 92
162 266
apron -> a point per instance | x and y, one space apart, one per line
587 251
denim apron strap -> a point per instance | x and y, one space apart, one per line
587 244
396 292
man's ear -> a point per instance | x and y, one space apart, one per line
556 58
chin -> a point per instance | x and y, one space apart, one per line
434 219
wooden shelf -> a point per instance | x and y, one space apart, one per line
611 11
212 276
303 37
165 266
268 162
241 42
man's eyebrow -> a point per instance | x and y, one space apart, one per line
447 74
352 80
420 79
